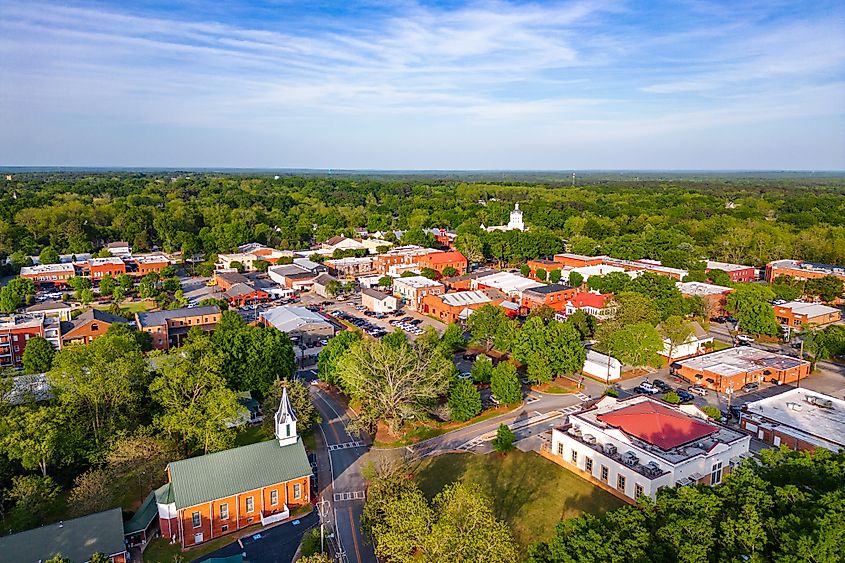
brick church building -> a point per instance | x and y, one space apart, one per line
215 494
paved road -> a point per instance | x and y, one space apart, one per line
274 545
343 486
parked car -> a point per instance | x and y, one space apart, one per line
719 320
649 388
730 319
684 395
750 387
465 375
698 390
662 385
744 338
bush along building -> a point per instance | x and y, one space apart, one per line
216 494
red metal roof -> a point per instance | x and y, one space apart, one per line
587 299
658 424
444 257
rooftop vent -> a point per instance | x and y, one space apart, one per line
819 402
609 449
589 438
794 406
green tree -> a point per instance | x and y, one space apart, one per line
126 282
385 282
107 285
504 384
331 353
719 277
85 296
482 369
525 270
677 331
549 349
38 355
334 288
636 308
584 323
261 265
300 399
827 288
33 435
430 273
484 323
637 345
100 382
79 283
471 246
503 442
712 412
540 274
34 497
464 400
452 340
575 279
393 382
554 276
9 300
750 304
48 255
672 398
148 286
238 266
99 557
449 271
195 402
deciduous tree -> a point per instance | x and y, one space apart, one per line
464 400
504 384
38 355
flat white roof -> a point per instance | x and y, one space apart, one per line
46 269
103 261
701 288
725 266
792 410
809 309
508 282
416 282
734 361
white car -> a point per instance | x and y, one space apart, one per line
744 338
465 375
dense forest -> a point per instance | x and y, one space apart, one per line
732 218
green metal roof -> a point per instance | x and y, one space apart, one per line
143 517
76 539
222 474
164 494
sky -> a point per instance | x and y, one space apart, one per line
396 85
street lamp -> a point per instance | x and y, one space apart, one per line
323 507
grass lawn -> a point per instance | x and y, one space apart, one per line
719 345
423 431
529 492
133 307
251 435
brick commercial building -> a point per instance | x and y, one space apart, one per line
737 272
169 328
77 540
638 445
715 295
413 289
576 260
89 326
734 367
552 295
799 418
545 265
512 285
439 261
454 307
802 270
796 313
400 256
46 275
15 332
98 268
601 306
216 494
140 266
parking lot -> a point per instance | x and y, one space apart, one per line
410 322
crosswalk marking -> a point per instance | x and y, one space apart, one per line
345 446
582 396
354 495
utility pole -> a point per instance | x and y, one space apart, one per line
323 508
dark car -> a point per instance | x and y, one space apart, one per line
734 411
730 320
684 395
750 387
469 356
663 386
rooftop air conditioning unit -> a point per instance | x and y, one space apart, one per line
609 449
589 438
794 406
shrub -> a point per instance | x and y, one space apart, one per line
503 442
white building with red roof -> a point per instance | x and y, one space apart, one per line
639 445
601 306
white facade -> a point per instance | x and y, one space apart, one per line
413 289
602 366
588 271
635 467
515 222
510 284
378 302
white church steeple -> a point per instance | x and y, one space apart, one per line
285 421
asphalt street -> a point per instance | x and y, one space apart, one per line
343 487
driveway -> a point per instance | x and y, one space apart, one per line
274 545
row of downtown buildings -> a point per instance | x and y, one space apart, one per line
637 446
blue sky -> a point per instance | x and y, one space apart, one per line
412 85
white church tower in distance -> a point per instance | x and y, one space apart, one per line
515 223
285 421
